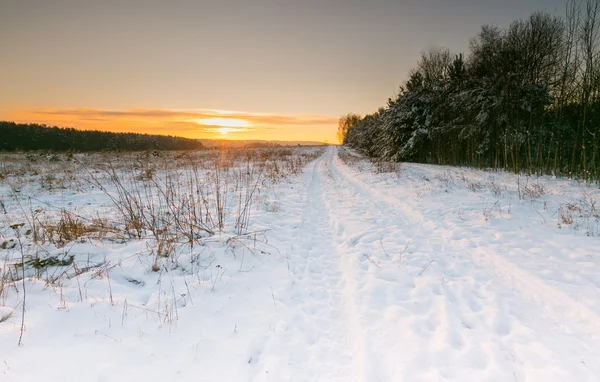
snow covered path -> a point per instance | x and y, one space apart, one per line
409 276
385 285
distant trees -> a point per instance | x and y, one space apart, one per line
345 123
525 98
24 137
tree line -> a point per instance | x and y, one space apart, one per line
30 136
525 98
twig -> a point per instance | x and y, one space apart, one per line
109 286
272 295
404 250
382 247
146 309
543 219
218 277
16 228
425 268
105 335
124 312
371 260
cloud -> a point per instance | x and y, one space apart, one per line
186 122
172 116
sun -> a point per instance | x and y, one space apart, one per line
224 123
225 130
224 126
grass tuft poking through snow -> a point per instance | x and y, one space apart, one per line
74 223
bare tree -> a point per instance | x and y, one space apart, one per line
346 123
433 65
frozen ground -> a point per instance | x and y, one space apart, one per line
365 273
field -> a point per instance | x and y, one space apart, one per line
293 264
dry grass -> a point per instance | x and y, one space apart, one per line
167 199
581 214
377 166
527 190
168 205
386 167
6 317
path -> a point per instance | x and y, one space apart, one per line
381 294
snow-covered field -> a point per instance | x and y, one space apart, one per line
342 271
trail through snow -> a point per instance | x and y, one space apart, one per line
430 309
375 277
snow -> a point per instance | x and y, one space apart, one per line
425 273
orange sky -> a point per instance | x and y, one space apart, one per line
204 124
290 67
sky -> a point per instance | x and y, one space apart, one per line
234 69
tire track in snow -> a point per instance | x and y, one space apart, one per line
554 323
355 315
380 298
320 219
348 286
564 309
320 341
373 327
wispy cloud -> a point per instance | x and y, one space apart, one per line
190 123
258 119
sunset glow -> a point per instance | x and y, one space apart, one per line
226 122
268 70
225 130
189 123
